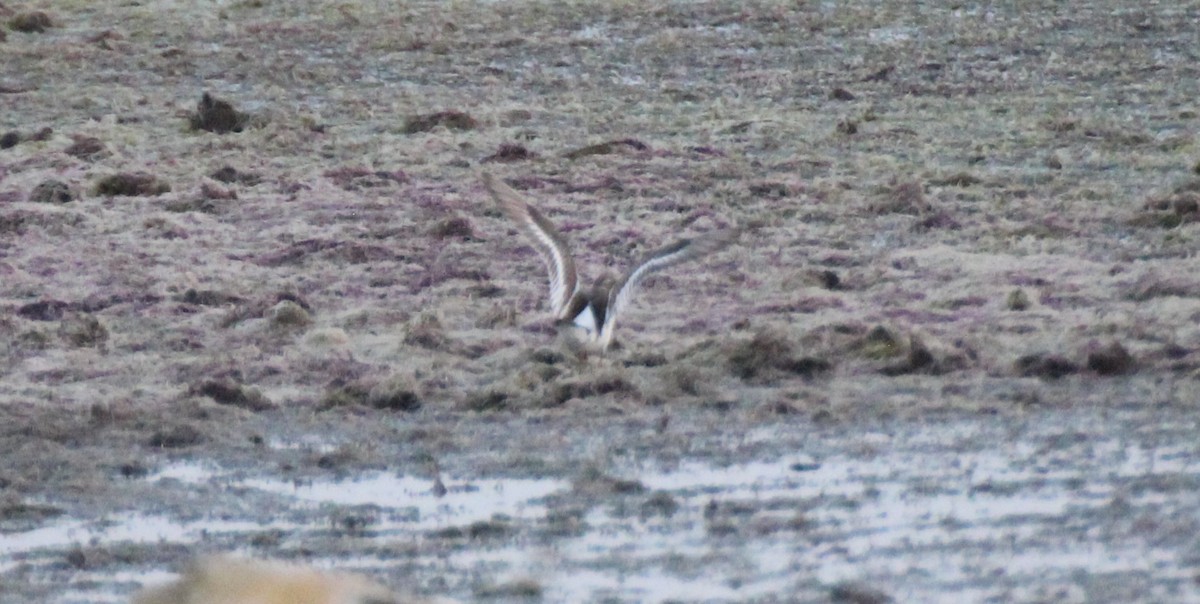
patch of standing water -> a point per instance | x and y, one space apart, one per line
937 520
926 514
117 528
463 503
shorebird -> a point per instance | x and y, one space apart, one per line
590 316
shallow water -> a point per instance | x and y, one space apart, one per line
972 509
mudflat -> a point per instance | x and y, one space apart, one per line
254 298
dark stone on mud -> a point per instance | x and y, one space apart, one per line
43 310
10 139
217 116
805 366
646 359
76 558
841 94
805 466
1174 351
85 147
519 590
918 360
770 190
721 528
229 175
488 529
133 470
131 184
176 437
51 191
593 481
207 297
609 384
453 227
224 392
919 357
1110 360
476 531
33 22
393 399
938 220
355 523
855 592
608 148
546 356
659 503
510 152
336 459
720 406
485 290
627 487
1045 366
830 280
452 120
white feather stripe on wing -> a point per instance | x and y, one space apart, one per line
680 251
546 239
559 265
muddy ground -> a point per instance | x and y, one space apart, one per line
955 355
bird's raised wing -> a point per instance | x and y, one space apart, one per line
680 251
545 239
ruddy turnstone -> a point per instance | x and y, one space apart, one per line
592 314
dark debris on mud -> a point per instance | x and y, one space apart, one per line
217 116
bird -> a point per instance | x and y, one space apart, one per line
589 316
232 580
